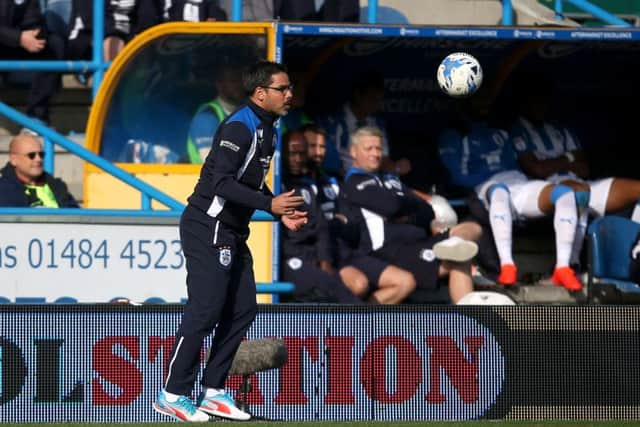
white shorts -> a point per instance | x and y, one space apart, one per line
524 192
599 191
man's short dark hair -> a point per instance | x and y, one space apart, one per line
260 74
312 127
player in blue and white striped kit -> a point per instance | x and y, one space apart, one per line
362 109
480 158
214 228
547 149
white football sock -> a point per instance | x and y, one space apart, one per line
635 216
565 220
501 222
581 231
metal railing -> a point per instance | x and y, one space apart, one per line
594 10
585 5
148 192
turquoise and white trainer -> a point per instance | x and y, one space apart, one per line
182 409
222 405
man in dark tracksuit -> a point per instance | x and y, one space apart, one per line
396 224
308 259
214 228
23 35
369 278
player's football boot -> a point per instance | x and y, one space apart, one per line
221 405
182 409
455 249
508 275
566 277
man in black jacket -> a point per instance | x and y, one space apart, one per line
368 277
23 36
307 255
214 229
24 183
398 226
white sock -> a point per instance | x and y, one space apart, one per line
635 216
213 392
170 396
581 230
501 222
565 221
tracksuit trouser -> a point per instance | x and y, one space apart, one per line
221 294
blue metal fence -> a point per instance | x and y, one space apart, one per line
147 190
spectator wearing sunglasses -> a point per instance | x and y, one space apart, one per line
23 181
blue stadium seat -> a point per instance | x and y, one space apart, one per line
610 239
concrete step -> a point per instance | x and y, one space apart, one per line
69 107
472 12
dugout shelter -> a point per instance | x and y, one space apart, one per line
141 114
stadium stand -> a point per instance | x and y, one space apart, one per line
549 358
70 108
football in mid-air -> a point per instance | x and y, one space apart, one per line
459 74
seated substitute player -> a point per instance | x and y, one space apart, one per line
361 273
479 158
397 225
549 150
363 108
322 241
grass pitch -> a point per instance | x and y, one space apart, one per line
497 423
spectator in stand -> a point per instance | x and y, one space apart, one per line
300 10
57 14
317 10
367 277
255 10
193 11
549 150
23 35
397 225
23 181
123 20
362 109
230 94
480 159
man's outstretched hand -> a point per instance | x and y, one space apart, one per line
295 221
285 203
